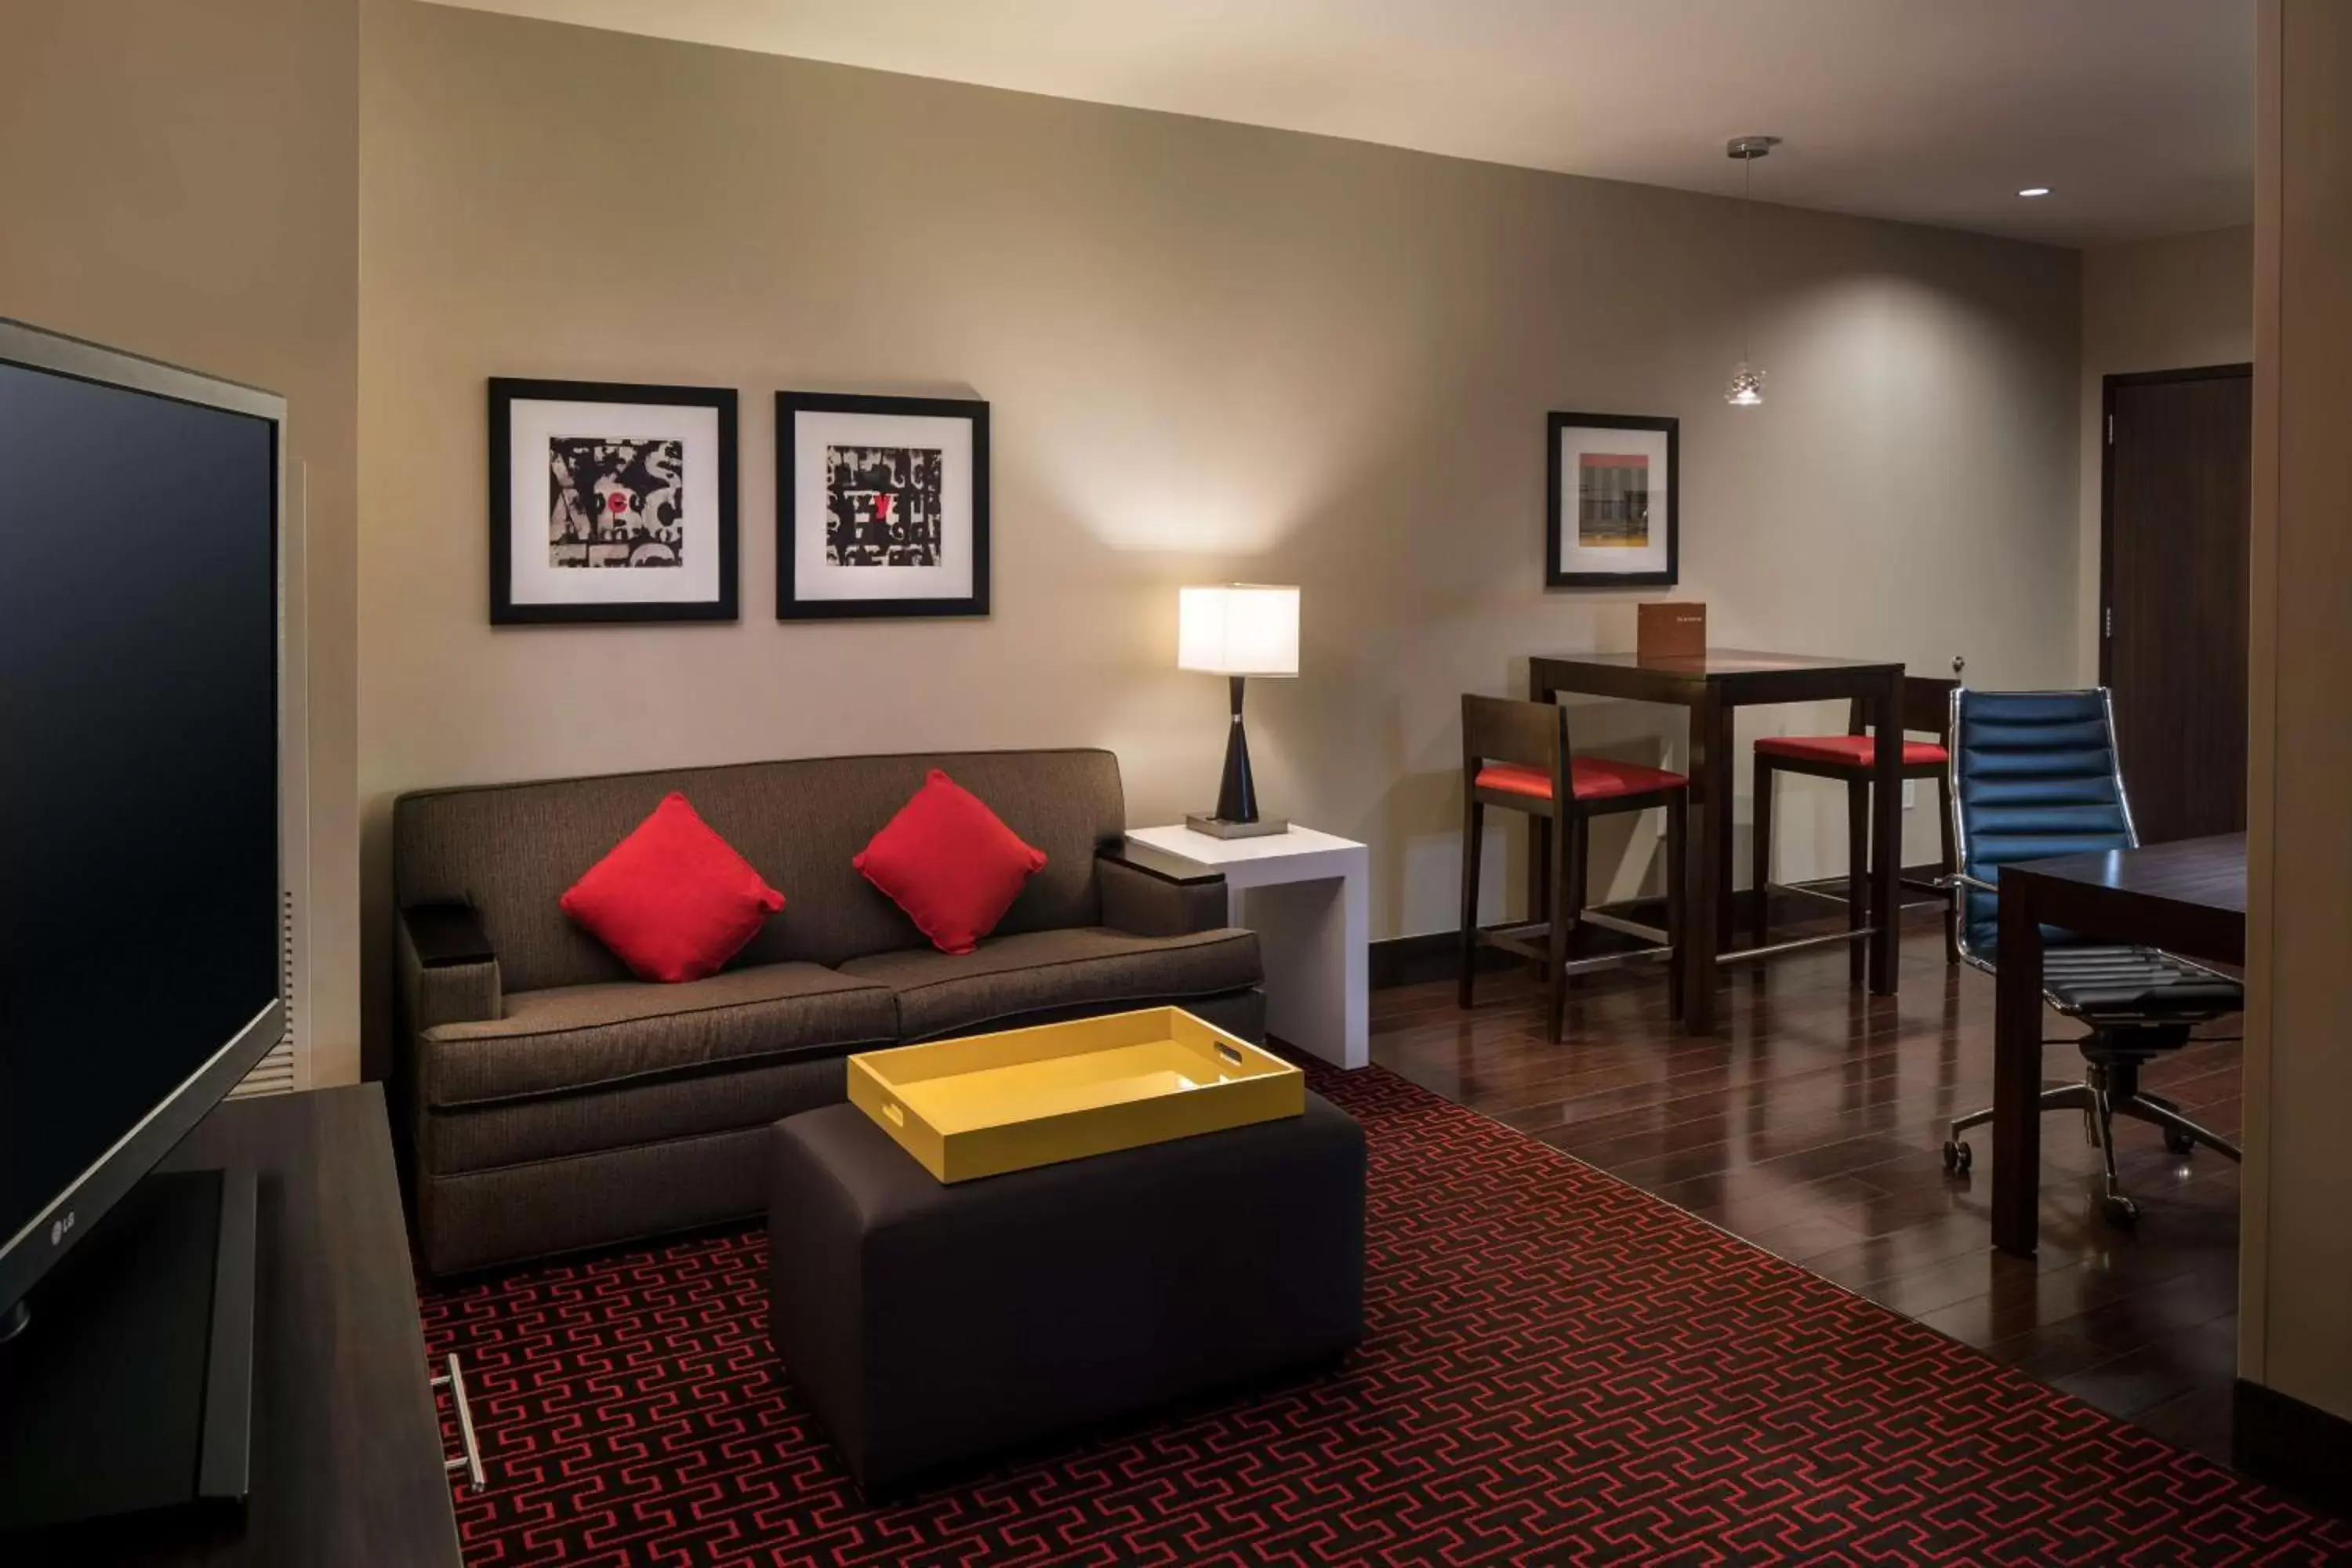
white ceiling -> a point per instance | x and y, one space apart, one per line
2137 113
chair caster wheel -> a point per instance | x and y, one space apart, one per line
2121 1211
1957 1158
2180 1143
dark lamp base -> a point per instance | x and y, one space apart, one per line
1225 827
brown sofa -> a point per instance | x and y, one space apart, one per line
551 1101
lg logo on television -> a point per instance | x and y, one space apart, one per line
61 1229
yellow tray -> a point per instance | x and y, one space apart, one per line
991 1103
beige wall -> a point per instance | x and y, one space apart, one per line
2296 1323
2157 304
1211 352
177 180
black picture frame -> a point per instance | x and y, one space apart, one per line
789 605
1556 572
505 392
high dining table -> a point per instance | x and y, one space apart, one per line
1710 685
2188 896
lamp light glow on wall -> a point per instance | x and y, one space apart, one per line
1238 630
1745 388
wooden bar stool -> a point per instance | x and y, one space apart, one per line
1927 710
1517 755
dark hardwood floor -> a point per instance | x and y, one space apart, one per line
1812 1125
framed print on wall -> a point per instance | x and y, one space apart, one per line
1615 482
881 506
611 503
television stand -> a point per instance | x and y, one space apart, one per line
12 1321
132 1391
347 1457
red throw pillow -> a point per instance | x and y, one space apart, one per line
950 863
673 900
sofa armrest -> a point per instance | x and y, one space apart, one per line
448 971
1152 894
447 935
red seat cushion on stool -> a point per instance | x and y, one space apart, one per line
1849 750
1593 778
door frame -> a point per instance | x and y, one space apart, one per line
2108 386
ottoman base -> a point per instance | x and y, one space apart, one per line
928 1323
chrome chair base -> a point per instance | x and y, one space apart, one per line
2109 1088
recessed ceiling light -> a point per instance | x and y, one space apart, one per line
2035 191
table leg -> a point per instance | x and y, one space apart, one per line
1704 910
1886 839
1539 830
2017 1073
1721 785
1313 938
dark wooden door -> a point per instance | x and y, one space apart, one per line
2179 479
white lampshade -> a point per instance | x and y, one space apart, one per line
1238 628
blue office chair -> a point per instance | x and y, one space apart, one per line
2034 774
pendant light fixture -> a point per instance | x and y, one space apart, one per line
1745 389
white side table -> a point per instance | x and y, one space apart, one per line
1308 895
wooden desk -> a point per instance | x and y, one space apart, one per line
2188 898
347 1450
1710 685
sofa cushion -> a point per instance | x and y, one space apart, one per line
1009 978
949 862
625 1115
572 1037
673 900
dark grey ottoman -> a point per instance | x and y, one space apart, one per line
929 1323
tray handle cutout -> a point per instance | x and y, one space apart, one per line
894 1111
1226 1054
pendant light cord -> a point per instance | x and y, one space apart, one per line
1746 246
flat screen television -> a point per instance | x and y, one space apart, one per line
140 905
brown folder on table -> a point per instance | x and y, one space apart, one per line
1669 630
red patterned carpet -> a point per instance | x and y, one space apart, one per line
1558 1369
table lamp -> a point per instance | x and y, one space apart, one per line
1238 629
